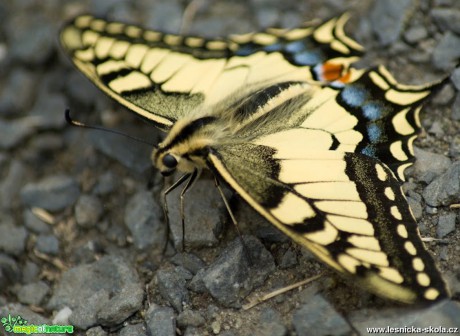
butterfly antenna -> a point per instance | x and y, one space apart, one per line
72 122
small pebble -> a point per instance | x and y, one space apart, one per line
12 238
456 108
443 253
388 18
96 331
33 41
271 323
431 210
52 193
49 110
87 253
447 52
191 318
134 330
415 34
35 224
106 184
165 16
47 244
10 186
444 96
289 259
172 287
10 273
455 78
144 221
446 225
231 276
447 19
62 316
317 312
416 207
445 189
429 165
161 321
14 132
30 272
189 261
437 129
88 210
33 293
18 92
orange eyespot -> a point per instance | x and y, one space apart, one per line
332 71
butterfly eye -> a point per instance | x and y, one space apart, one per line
169 161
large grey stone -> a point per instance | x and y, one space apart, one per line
106 292
236 272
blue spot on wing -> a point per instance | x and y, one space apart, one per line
295 47
354 95
374 133
273 47
369 151
307 58
375 110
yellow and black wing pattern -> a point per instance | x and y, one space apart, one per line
162 77
329 177
316 147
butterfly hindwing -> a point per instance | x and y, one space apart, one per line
373 115
387 114
352 214
314 177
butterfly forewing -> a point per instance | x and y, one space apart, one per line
162 77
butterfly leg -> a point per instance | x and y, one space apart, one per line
192 178
232 216
181 180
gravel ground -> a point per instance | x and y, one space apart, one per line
81 236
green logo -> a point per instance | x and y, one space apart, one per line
17 325
10 322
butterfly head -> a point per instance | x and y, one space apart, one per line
170 161
166 162
185 147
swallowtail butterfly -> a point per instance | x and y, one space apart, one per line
316 147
